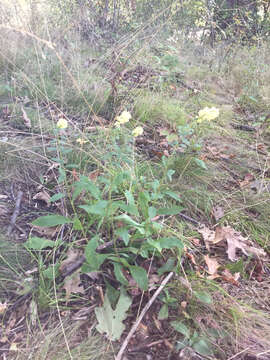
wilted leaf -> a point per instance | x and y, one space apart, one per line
111 321
230 278
44 196
72 284
208 235
3 307
212 264
72 256
49 232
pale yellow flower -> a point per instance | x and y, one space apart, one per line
137 131
62 123
123 118
81 141
208 114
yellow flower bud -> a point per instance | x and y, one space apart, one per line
208 114
62 123
123 118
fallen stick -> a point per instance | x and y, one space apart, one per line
144 311
15 212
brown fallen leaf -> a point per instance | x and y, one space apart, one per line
231 278
217 212
3 307
27 121
43 196
48 232
234 241
72 284
212 265
72 256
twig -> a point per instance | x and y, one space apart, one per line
189 219
144 311
15 212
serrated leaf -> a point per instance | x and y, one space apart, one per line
139 274
167 267
51 220
37 243
111 321
181 328
203 297
86 184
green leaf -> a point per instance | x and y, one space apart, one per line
152 212
51 220
139 274
203 297
181 328
202 348
37 243
129 208
62 175
163 312
123 234
172 195
111 321
94 259
174 210
77 225
86 184
170 173
97 209
56 197
127 219
200 163
167 267
170 242
119 274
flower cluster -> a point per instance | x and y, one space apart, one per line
124 118
208 114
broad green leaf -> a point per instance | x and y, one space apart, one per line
51 272
139 274
123 234
181 328
129 197
163 312
37 243
174 210
203 297
56 197
97 209
155 244
202 348
170 242
119 274
51 220
110 321
130 208
77 225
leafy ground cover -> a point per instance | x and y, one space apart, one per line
125 173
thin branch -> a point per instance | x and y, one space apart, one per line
144 311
